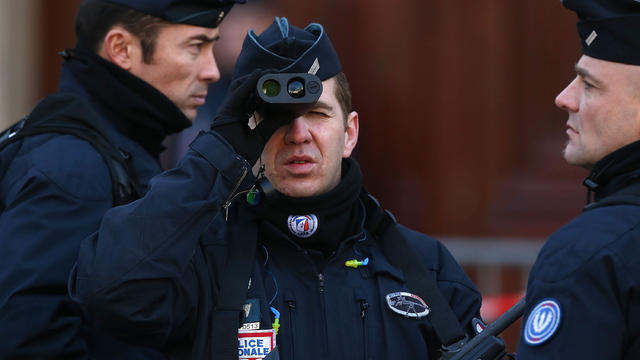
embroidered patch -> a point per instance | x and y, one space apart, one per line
407 304
303 225
542 323
255 344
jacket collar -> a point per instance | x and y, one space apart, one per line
614 171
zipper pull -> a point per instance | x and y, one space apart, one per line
364 306
233 194
321 278
226 211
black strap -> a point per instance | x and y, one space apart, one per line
228 315
418 277
59 113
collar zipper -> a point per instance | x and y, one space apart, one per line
233 194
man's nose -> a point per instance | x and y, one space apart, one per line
298 131
568 99
210 72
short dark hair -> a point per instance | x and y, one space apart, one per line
95 18
343 94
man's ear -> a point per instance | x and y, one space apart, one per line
121 48
351 132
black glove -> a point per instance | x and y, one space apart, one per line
233 116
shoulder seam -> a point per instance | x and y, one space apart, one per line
595 254
37 167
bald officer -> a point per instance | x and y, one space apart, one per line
139 72
583 295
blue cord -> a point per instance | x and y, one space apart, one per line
273 277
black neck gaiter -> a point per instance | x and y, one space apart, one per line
135 107
319 222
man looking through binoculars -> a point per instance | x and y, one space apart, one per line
290 255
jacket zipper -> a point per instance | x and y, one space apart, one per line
227 203
324 313
321 280
292 307
364 306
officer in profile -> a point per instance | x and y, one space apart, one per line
211 264
139 72
583 294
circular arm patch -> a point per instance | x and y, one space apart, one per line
542 323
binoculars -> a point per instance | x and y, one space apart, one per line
286 96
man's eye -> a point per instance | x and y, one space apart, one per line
587 85
195 47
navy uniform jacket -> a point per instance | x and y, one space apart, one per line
152 273
583 295
54 190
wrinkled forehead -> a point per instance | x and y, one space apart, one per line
605 70
328 95
182 32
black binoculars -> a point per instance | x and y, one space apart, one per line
287 95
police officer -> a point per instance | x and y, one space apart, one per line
139 72
583 294
311 275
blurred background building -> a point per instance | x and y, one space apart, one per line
460 137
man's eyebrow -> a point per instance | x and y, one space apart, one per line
323 105
204 38
585 74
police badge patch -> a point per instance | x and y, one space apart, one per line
303 226
407 304
542 323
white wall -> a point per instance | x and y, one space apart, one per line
19 72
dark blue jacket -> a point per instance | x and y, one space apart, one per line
54 190
583 294
152 273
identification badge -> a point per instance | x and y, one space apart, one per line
255 344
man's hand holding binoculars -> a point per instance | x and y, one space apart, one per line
278 98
